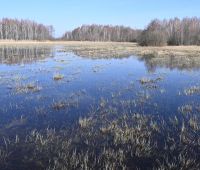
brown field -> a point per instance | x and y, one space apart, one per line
114 49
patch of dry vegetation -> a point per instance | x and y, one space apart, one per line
58 76
30 87
117 49
113 49
106 142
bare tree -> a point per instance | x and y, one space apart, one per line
102 33
24 30
172 32
154 35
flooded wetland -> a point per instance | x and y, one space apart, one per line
76 107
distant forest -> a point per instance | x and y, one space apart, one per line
175 31
103 33
24 30
171 32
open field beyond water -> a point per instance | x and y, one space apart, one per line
106 49
94 105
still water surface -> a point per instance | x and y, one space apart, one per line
43 87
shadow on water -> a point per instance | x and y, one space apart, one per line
63 111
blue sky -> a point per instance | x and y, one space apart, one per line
68 14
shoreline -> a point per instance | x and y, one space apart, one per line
2 42
106 49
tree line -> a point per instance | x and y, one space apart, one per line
103 33
24 30
175 31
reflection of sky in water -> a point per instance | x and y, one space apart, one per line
87 81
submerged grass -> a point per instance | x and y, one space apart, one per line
192 90
128 140
58 76
117 129
64 104
30 87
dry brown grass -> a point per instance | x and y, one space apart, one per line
116 49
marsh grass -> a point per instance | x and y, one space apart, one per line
108 138
192 90
84 122
117 129
132 137
194 124
26 88
59 105
147 80
58 76
117 50
64 104
112 49
185 109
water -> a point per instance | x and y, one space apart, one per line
95 96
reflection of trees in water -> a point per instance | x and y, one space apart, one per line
23 54
172 62
29 54
151 62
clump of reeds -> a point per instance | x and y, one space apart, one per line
30 87
58 76
192 90
185 109
84 122
145 80
59 105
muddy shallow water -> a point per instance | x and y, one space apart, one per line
63 111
